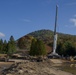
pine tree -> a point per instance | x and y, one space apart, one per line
1 46
41 50
37 48
5 47
11 45
32 48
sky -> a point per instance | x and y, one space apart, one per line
20 17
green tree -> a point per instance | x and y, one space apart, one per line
70 49
37 48
1 46
33 48
5 47
59 49
66 48
41 50
11 45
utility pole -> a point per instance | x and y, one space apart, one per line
54 54
55 33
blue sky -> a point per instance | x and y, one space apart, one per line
20 17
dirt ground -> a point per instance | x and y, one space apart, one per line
4 65
35 68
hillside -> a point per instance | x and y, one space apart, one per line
47 36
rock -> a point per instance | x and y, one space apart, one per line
9 74
26 71
20 71
31 71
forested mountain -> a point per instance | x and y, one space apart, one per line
65 42
47 36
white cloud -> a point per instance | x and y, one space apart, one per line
26 20
73 20
2 35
